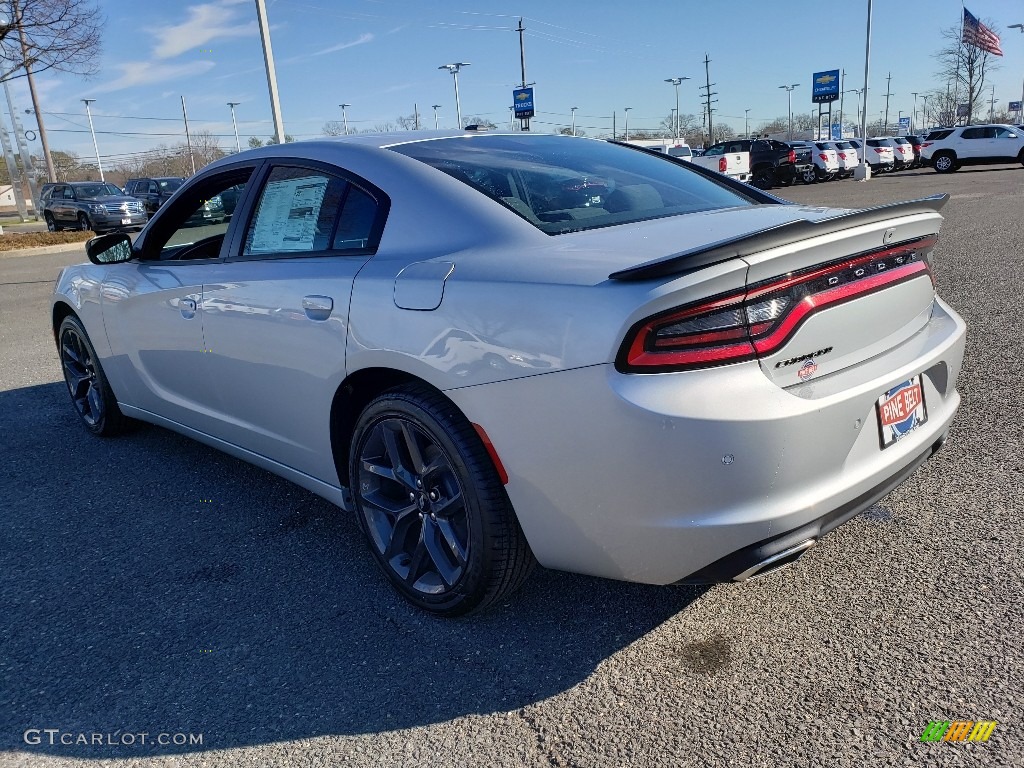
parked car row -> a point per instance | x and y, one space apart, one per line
103 207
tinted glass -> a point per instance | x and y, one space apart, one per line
843 145
561 184
355 224
823 146
900 140
90 191
973 133
169 185
1005 133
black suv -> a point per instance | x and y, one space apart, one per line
155 191
91 205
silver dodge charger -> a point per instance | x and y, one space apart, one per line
497 350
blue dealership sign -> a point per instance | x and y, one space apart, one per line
837 132
522 101
904 123
825 86
1015 106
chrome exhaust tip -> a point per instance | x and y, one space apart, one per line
776 561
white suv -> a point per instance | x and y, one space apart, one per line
948 149
825 158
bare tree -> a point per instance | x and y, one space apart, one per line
206 148
334 128
483 122
966 67
50 34
65 164
687 123
778 125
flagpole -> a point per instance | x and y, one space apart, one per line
956 78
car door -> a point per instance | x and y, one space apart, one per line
973 143
64 210
1004 144
275 312
152 310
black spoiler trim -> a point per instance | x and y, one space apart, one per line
773 237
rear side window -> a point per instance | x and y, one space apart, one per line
561 184
306 211
939 135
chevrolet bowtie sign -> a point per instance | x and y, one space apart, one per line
522 100
826 86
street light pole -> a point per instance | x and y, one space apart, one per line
234 125
863 171
627 122
435 107
676 81
95 146
268 58
746 123
913 117
1020 115
344 115
454 69
573 110
789 93
924 109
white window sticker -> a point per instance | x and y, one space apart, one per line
288 215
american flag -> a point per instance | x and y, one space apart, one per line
977 34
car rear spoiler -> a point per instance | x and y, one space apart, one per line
773 237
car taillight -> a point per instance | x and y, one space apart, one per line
723 164
879 150
842 155
759 320
792 156
925 144
824 158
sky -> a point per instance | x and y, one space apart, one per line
382 57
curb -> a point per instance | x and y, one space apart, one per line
43 249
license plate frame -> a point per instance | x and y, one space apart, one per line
901 410
126 221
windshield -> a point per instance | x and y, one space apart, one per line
561 184
169 185
90 191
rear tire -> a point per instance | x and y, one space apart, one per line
87 384
432 506
763 177
944 162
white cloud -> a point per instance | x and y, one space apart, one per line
363 38
205 23
134 73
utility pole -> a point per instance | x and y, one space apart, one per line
50 172
268 58
746 123
707 98
415 115
188 137
885 128
524 123
992 105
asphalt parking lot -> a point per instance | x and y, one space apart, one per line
152 585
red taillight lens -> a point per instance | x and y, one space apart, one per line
824 158
925 144
792 156
759 320
842 155
723 165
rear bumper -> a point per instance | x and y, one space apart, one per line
667 477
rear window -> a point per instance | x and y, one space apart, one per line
823 146
878 142
680 152
169 185
843 145
561 184
900 140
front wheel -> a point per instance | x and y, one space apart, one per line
90 392
83 223
944 163
51 224
431 503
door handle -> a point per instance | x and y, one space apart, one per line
317 307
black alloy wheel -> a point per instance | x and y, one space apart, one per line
51 225
432 506
764 177
83 223
87 385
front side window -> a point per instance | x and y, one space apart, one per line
195 225
562 184
1004 133
308 211
92 191
973 133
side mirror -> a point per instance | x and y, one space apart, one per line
112 248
